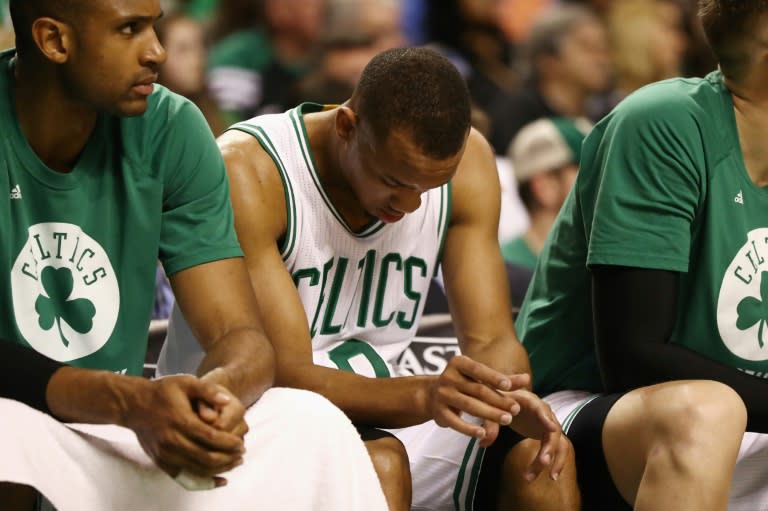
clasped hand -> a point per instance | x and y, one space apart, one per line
470 387
184 423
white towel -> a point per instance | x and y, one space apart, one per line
302 453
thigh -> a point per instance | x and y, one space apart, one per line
489 480
585 430
582 415
445 466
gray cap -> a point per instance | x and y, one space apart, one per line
547 144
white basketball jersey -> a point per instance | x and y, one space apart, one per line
363 292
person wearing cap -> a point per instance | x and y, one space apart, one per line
545 159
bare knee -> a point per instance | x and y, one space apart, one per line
684 413
388 456
390 460
543 493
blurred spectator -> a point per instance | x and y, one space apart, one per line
567 61
517 16
545 157
647 43
200 10
468 33
6 31
699 60
355 31
232 16
255 70
184 69
6 38
414 22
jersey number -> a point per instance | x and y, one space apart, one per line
341 355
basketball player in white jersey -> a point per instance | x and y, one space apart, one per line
345 214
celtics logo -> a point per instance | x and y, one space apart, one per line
65 294
742 306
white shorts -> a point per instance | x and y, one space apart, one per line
445 465
749 489
301 453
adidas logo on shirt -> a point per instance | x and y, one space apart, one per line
16 192
739 198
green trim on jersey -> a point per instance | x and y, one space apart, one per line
469 502
566 426
289 240
517 251
471 464
296 116
446 206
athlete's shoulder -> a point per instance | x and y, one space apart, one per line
168 116
249 151
676 100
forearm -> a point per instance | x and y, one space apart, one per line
381 402
97 397
243 361
504 354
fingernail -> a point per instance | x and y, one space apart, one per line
506 419
530 476
546 459
555 476
505 384
480 433
515 409
222 397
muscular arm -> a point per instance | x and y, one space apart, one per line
478 297
260 220
159 412
226 322
634 315
475 277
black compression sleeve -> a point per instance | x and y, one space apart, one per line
634 314
24 375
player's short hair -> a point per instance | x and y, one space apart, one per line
419 91
729 26
25 12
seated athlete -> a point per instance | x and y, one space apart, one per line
102 173
345 214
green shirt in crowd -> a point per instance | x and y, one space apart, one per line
518 252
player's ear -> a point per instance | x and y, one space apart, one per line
346 122
53 38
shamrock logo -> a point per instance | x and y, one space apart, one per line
57 307
751 310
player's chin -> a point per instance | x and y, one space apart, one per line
132 108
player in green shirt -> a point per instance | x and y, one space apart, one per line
654 281
102 173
